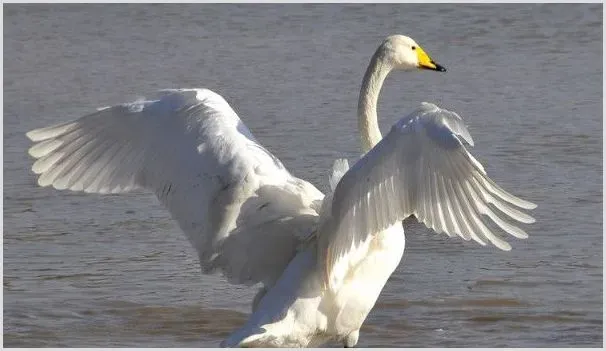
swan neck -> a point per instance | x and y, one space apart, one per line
368 124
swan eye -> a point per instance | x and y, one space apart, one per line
414 47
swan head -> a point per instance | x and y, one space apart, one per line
405 54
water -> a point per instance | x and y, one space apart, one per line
90 270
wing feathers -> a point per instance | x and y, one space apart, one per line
49 132
463 228
497 190
187 142
421 167
503 206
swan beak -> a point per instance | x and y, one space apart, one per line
425 62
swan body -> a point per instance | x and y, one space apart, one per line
322 260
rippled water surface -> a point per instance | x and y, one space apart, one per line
90 270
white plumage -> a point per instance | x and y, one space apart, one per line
322 260
421 168
190 148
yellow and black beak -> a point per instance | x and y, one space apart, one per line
425 62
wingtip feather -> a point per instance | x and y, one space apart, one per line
530 206
41 134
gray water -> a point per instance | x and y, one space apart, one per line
90 270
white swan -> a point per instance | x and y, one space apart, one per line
322 260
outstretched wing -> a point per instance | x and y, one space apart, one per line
190 148
421 167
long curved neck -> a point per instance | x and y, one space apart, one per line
368 124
